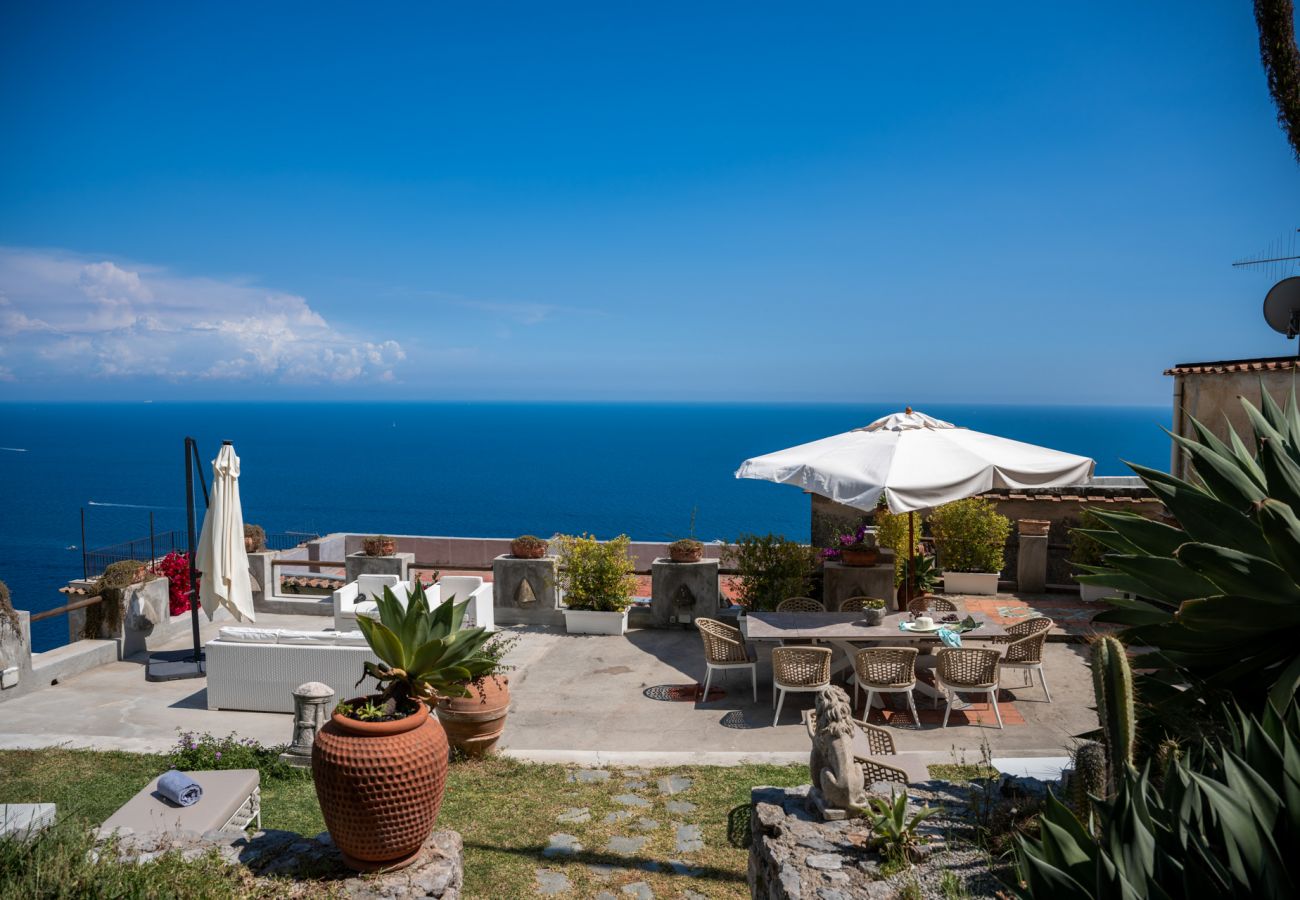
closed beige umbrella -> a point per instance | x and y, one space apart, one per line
221 557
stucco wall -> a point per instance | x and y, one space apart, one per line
1212 399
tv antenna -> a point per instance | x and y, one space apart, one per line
1281 257
1282 307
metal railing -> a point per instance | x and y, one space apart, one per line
145 549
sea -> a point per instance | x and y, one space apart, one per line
652 471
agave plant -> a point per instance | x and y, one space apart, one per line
893 832
1216 593
1219 826
424 654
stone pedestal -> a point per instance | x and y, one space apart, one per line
146 619
840 582
683 592
1031 560
358 563
261 577
16 656
313 704
525 592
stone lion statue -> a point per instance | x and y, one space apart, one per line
835 773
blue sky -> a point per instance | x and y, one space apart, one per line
966 203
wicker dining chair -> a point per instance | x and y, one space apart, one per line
971 671
873 749
725 649
856 604
1025 641
800 670
799 605
933 604
885 670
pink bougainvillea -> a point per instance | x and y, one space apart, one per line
175 567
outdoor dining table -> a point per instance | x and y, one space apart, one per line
843 631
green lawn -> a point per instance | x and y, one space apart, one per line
505 810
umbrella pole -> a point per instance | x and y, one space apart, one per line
911 557
191 460
172 665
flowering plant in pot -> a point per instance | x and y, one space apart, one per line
379 545
474 723
857 548
380 763
972 537
873 611
528 546
598 580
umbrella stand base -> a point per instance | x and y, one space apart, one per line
173 665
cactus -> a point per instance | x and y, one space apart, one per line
1112 681
1090 779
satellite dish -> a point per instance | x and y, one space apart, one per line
1282 306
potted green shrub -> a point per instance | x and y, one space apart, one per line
380 763
598 580
528 546
971 536
1087 551
379 545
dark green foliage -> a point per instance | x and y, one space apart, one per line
423 653
1277 51
770 568
1223 823
1084 550
1216 593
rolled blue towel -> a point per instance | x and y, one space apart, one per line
180 788
950 638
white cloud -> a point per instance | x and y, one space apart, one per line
74 315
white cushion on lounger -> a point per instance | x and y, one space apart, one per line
351 639
243 635
316 638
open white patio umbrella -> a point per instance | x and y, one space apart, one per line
221 556
915 462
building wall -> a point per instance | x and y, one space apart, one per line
1212 398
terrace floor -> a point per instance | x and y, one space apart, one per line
596 700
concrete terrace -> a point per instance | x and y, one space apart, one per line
589 699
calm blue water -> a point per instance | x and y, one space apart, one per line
458 469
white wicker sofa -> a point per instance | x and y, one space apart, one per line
358 598
258 668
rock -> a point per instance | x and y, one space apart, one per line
600 870
631 800
574 816
824 861
625 846
640 890
689 838
549 882
645 825
588 776
684 868
680 807
635 785
618 815
562 845
674 784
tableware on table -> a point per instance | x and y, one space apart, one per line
924 622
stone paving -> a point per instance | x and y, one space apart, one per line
634 834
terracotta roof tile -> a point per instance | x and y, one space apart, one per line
1263 364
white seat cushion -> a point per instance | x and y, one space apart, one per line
351 639
319 638
243 635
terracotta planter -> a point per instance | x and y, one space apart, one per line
1035 527
685 554
474 724
860 556
527 551
380 785
373 547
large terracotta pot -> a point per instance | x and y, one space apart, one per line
689 554
527 550
474 724
380 785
